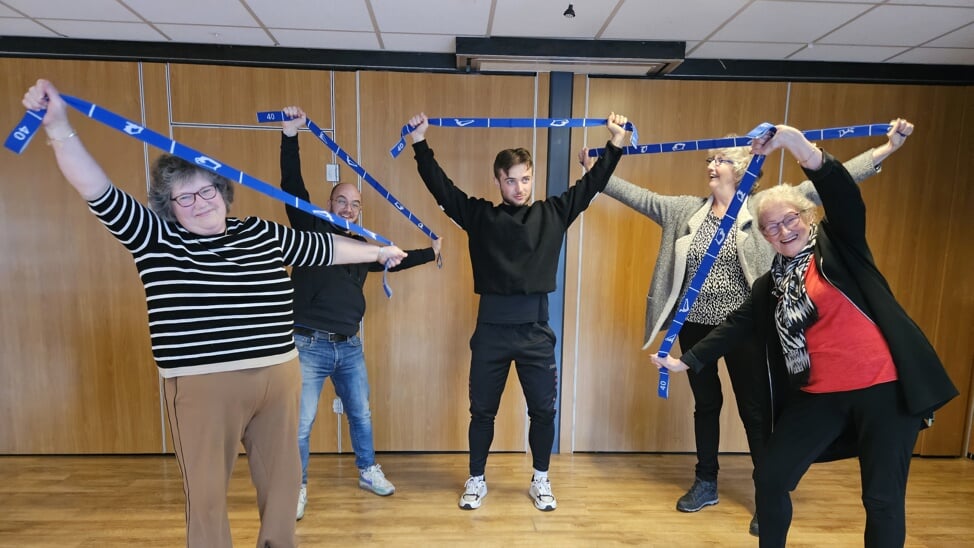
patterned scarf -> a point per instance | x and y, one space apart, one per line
795 311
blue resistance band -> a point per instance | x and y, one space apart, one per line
550 123
866 130
278 115
726 224
21 136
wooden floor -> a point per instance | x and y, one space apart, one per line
604 500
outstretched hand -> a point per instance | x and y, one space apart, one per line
616 124
390 256
43 95
899 130
421 123
585 160
297 120
669 363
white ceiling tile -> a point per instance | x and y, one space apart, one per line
544 19
91 10
670 19
456 17
105 30
326 39
900 26
849 54
961 3
744 50
7 12
937 56
787 21
203 34
963 38
22 27
436 43
313 14
194 12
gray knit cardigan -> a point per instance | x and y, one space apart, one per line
681 217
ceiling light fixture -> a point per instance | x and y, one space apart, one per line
570 12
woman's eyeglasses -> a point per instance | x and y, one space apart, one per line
718 160
789 221
207 193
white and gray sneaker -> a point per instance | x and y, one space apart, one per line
474 492
302 500
372 479
540 492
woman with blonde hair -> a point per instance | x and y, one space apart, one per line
689 224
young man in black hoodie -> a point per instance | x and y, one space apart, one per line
514 250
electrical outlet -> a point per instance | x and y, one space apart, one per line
336 406
331 173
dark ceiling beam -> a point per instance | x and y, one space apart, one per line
328 59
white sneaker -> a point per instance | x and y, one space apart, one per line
474 492
372 479
540 492
302 500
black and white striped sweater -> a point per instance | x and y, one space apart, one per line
216 303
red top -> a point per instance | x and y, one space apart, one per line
846 348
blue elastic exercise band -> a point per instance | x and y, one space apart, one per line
866 130
21 136
277 116
728 220
726 224
550 123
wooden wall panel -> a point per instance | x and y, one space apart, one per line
76 362
77 369
233 95
417 342
616 407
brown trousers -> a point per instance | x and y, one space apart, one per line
209 416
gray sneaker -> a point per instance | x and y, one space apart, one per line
372 479
474 491
702 493
302 500
540 492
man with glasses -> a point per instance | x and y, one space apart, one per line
328 307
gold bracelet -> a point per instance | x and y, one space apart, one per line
52 141
805 161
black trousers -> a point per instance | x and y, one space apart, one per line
750 384
532 349
885 434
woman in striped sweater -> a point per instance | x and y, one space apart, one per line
220 318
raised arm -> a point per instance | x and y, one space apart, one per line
291 180
74 160
447 195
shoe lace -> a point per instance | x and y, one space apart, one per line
472 487
543 487
374 472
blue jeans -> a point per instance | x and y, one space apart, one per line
344 362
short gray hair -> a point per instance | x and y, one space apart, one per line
789 195
169 171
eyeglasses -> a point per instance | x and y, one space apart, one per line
207 193
343 203
718 160
789 221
